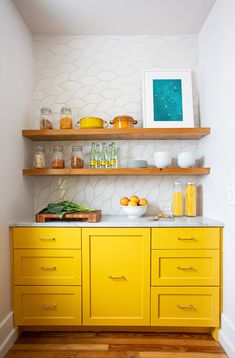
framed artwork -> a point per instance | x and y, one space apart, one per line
167 99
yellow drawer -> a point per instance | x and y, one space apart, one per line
46 238
47 267
47 306
179 306
186 238
185 268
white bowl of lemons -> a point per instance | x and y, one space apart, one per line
134 207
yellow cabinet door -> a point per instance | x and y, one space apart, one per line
47 267
186 238
116 276
46 238
185 268
185 306
47 306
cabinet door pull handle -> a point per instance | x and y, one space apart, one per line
189 307
48 268
117 277
187 239
47 238
189 268
52 307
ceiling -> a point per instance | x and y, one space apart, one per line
115 17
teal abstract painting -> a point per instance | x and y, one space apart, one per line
167 100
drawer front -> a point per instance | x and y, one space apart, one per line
185 268
179 306
47 306
47 267
47 238
186 238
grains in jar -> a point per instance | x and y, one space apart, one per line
57 157
45 118
190 200
39 157
77 160
66 120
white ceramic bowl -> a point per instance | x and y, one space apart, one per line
162 159
134 212
186 159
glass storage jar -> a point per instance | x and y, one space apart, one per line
45 118
190 200
39 157
66 119
77 160
57 161
178 200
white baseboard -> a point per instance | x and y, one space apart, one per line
8 334
227 336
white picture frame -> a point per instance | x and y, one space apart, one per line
167 99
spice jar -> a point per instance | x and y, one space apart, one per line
45 118
178 200
190 199
66 120
77 160
57 157
39 157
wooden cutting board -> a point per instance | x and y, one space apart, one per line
90 217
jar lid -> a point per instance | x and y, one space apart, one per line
58 148
66 109
39 148
45 110
77 147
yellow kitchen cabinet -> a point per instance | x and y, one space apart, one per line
116 276
186 238
185 306
185 268
47 267
47 305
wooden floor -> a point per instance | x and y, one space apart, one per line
115 345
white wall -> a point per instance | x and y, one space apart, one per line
217 101
16 74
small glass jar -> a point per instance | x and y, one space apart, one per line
190 200
39 157
57 161
45 118
77 160
66 119
178 200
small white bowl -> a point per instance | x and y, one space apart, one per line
162 159
134 212
186 159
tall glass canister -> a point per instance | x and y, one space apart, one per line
190 200
178 200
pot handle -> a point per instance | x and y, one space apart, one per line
111 122
105 124
135 121
78 123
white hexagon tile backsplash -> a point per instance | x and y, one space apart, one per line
101 76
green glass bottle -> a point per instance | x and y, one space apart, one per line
92 163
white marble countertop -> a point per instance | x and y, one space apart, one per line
123 221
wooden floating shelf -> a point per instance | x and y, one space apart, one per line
113 133
118 171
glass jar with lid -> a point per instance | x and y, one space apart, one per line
45 118
57 161
77 160
190 199
39 157
66 119
178 200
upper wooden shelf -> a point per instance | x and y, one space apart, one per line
113 133
118 171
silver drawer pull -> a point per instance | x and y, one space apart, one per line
186 308
48 268
189 268
187 239
52 307
47 238
117 277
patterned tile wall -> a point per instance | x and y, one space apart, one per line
101 75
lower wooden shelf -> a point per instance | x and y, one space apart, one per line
117 171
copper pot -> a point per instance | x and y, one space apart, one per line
123 122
